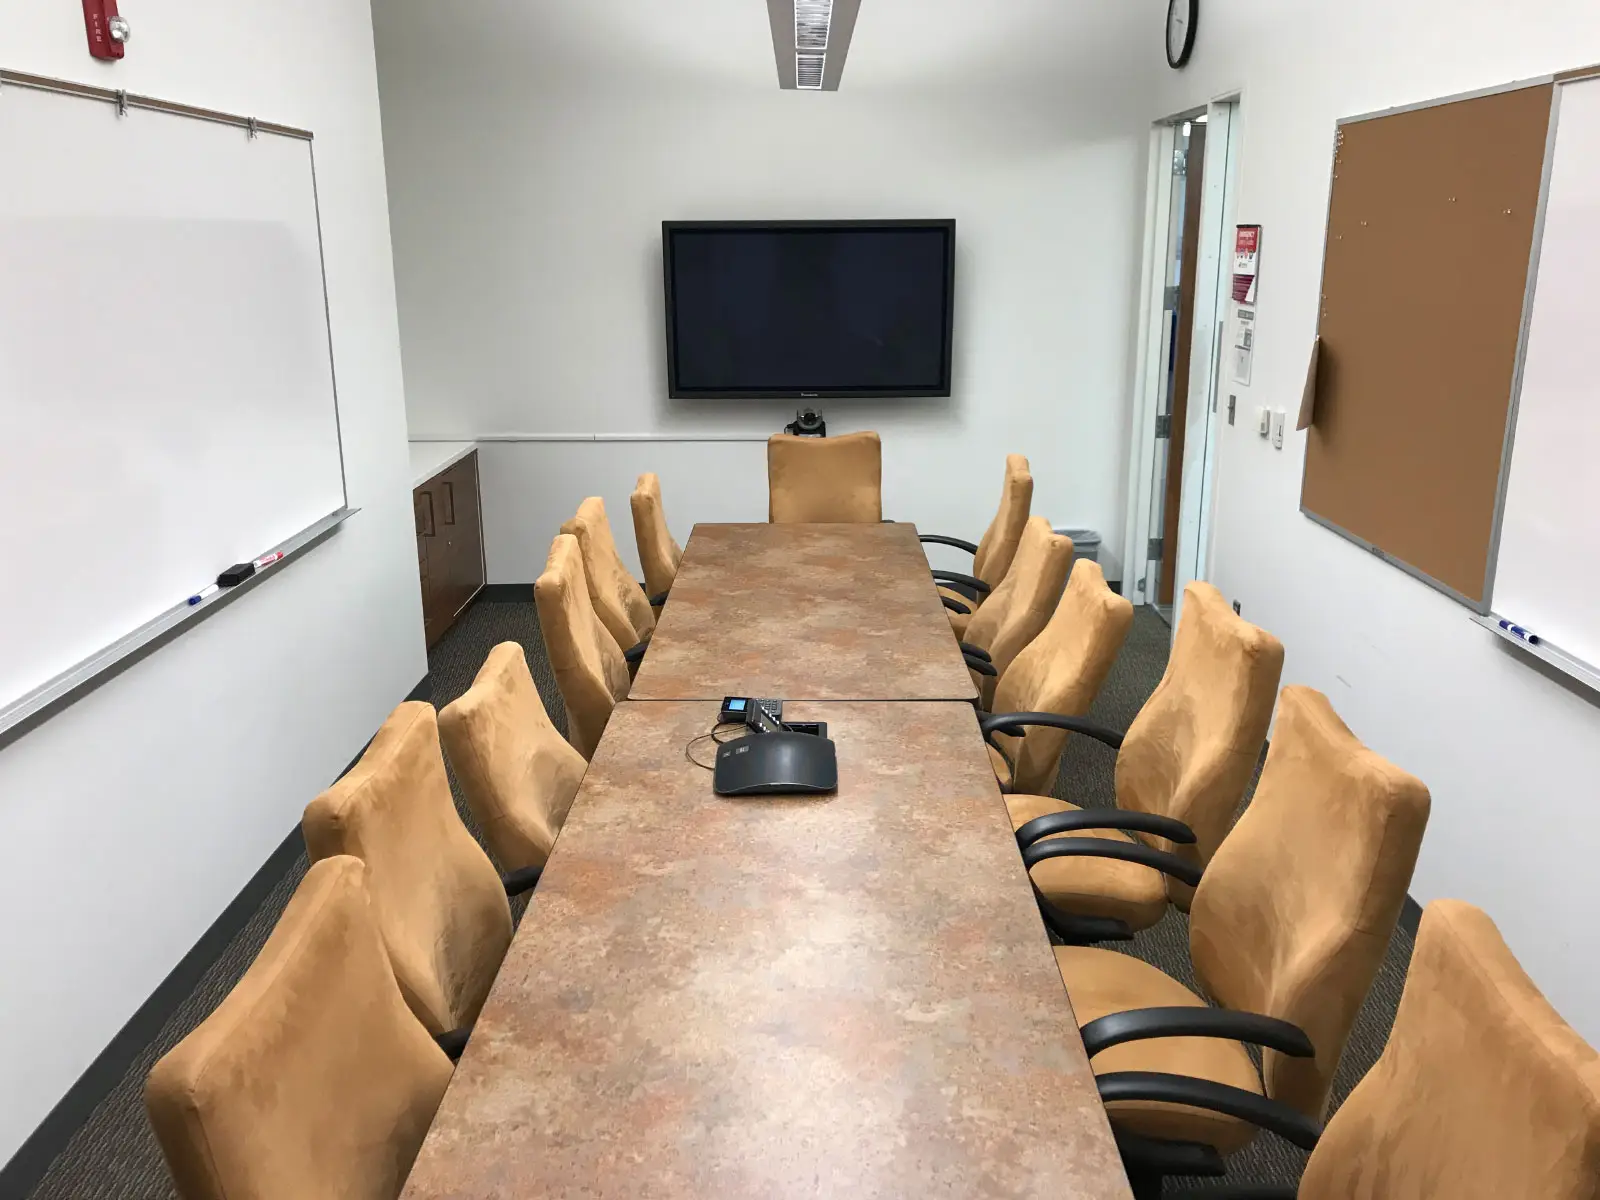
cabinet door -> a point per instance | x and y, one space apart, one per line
467 564
429 561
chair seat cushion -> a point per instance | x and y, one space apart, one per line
1101 982
959 621
1002 769
1092 887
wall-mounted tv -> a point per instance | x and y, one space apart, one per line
802 309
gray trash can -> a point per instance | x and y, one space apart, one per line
1085 543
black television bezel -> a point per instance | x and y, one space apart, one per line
675 392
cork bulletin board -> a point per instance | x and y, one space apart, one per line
1432 231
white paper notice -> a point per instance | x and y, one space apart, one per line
1244 343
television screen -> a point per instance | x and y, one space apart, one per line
807 309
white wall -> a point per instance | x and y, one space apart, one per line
1512 757
529 176
130 820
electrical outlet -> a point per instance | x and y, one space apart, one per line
1278 416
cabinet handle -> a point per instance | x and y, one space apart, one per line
449 502
427 526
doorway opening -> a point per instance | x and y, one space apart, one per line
1183 311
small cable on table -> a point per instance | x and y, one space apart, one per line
689 746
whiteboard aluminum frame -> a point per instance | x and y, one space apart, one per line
1553 656
44 701
27 711
1480 608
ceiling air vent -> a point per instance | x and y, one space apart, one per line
808 71
810 39
811 20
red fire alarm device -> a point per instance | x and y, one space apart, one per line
108 30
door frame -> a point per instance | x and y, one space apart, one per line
1191 557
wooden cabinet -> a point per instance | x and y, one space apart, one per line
449 544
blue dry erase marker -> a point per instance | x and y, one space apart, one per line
1521 634
202 594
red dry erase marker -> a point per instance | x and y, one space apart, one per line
267 560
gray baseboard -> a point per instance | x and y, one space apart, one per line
501 593
1410 916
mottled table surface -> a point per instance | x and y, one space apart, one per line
843 996
804 612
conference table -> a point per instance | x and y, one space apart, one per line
844 995
805 612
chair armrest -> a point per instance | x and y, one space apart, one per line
1137 1024
635 654
1104 818
658 600
1012 723
954 606
521 880
1075 929
1134 852
977 652
453 1042
965 581
980 666
1161 1156
941 540
1289 1124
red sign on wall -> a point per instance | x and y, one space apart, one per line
1246 257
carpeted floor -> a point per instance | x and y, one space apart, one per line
114 1157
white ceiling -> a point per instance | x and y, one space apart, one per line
898 44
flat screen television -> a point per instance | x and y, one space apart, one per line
803 309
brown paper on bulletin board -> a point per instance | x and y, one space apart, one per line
1430 230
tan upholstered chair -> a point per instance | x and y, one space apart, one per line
1060 671
832 480
311 1079
518 773
991 557
1482 1093
1020 607
659 555
589 667
1187 758
1289 924
618 599
438 900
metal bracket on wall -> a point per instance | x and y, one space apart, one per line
1157 546
1164 425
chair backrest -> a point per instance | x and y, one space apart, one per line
1191 750
998 545
518 773
1061 671
1296 910
617 597
437 898
1482 1092
1015 612
833 480
589 666
659 555
311 1079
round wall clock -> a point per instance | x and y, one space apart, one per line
1183 17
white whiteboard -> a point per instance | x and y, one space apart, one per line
1547 577
167 402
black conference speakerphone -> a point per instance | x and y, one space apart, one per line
774 758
